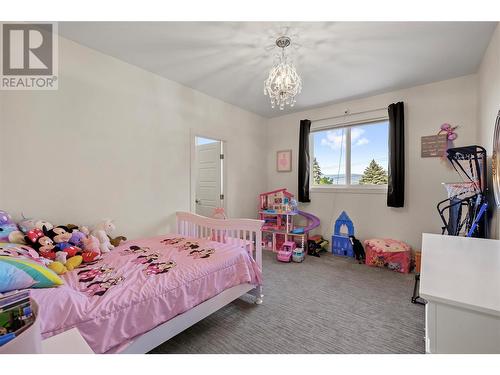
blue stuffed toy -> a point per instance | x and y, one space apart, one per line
9 232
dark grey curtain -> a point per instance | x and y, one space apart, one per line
304 164
396 183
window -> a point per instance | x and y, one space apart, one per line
353 156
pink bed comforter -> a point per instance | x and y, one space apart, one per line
140 285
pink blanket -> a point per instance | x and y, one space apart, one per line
140 285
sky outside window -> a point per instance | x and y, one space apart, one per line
368 142
329 151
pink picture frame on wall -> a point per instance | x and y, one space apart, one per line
284 161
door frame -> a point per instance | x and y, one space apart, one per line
192 164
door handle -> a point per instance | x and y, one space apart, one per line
197 201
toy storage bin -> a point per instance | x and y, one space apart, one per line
29 341
392 254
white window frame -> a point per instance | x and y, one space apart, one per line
347 122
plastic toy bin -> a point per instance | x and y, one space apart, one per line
29 341
392 254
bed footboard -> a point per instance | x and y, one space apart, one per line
239 232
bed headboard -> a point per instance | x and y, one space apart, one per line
240 232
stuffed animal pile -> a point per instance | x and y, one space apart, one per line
65 247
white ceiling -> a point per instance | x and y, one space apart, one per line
337 60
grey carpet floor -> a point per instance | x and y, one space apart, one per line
323 305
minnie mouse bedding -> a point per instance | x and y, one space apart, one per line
140 285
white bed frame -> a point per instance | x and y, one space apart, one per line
240 232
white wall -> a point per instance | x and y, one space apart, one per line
489 101
426 108
114 141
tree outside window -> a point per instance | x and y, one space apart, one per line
350 155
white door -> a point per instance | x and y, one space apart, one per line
208 191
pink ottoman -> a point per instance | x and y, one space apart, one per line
386 252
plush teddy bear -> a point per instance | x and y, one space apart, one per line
116 241
71 227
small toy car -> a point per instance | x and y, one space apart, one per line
298 255
286 251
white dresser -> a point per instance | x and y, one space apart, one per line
460 279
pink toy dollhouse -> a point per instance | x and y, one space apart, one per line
278 209
278 201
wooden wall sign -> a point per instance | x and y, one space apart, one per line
434 146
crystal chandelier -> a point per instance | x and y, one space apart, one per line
283 83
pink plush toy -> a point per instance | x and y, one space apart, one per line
61 257
449 130
91 244
91 250
84 230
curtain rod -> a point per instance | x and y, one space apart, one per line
347 113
